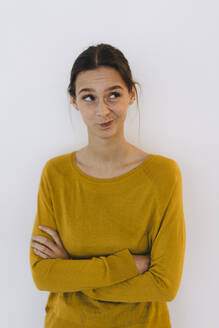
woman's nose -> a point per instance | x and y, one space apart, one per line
102 107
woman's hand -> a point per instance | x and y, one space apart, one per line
50 249
142 262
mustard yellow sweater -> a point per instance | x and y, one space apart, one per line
101 222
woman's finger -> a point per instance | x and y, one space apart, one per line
45 241
37 252
53 233
54 248
43 249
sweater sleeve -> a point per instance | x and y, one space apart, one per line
161 281
71 275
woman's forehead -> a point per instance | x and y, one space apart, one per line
101 75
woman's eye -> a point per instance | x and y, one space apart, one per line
87 96
117 94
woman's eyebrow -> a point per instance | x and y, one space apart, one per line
110 88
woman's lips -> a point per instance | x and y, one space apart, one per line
106 124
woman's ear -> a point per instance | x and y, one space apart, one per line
73 102
132 96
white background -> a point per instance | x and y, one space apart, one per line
172 48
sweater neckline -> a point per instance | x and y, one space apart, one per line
118 178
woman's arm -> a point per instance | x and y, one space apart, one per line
71 275
161 281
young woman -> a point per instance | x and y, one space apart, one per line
109 235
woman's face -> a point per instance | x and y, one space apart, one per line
100 104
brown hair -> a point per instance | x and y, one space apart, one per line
102 55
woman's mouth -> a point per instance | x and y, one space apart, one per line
106 124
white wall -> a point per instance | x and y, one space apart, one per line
172 48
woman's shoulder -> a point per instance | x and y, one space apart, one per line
166 164
164 171
57 163
162 166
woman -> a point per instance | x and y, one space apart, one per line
111 247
